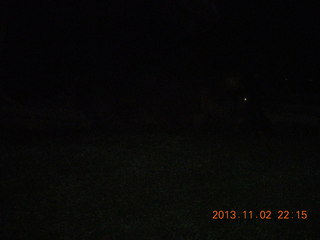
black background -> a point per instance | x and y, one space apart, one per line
52 46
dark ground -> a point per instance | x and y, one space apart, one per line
142 185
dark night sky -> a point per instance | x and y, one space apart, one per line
108 38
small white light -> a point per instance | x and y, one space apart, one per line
245 99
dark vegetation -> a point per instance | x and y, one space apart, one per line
156 185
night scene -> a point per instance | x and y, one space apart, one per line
159 119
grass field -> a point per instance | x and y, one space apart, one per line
142 185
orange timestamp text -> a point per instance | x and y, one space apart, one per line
261 214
